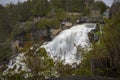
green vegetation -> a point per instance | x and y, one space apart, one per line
112 41
42 23
85 66
28 26
101 6
40 66
5 53
12 15
102 60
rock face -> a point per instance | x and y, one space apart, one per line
115 9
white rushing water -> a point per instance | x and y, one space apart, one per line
64 45
17 64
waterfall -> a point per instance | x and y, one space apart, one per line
64 45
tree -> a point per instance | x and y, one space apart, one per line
100 6
24 10
41 8
112 41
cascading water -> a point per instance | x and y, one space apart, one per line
64 46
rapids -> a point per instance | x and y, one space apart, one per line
64 45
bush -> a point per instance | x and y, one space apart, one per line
42 23
28 26
5 53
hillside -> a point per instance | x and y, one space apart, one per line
56 39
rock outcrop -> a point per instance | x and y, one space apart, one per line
115 9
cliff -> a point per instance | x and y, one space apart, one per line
115 9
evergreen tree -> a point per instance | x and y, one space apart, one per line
41 8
